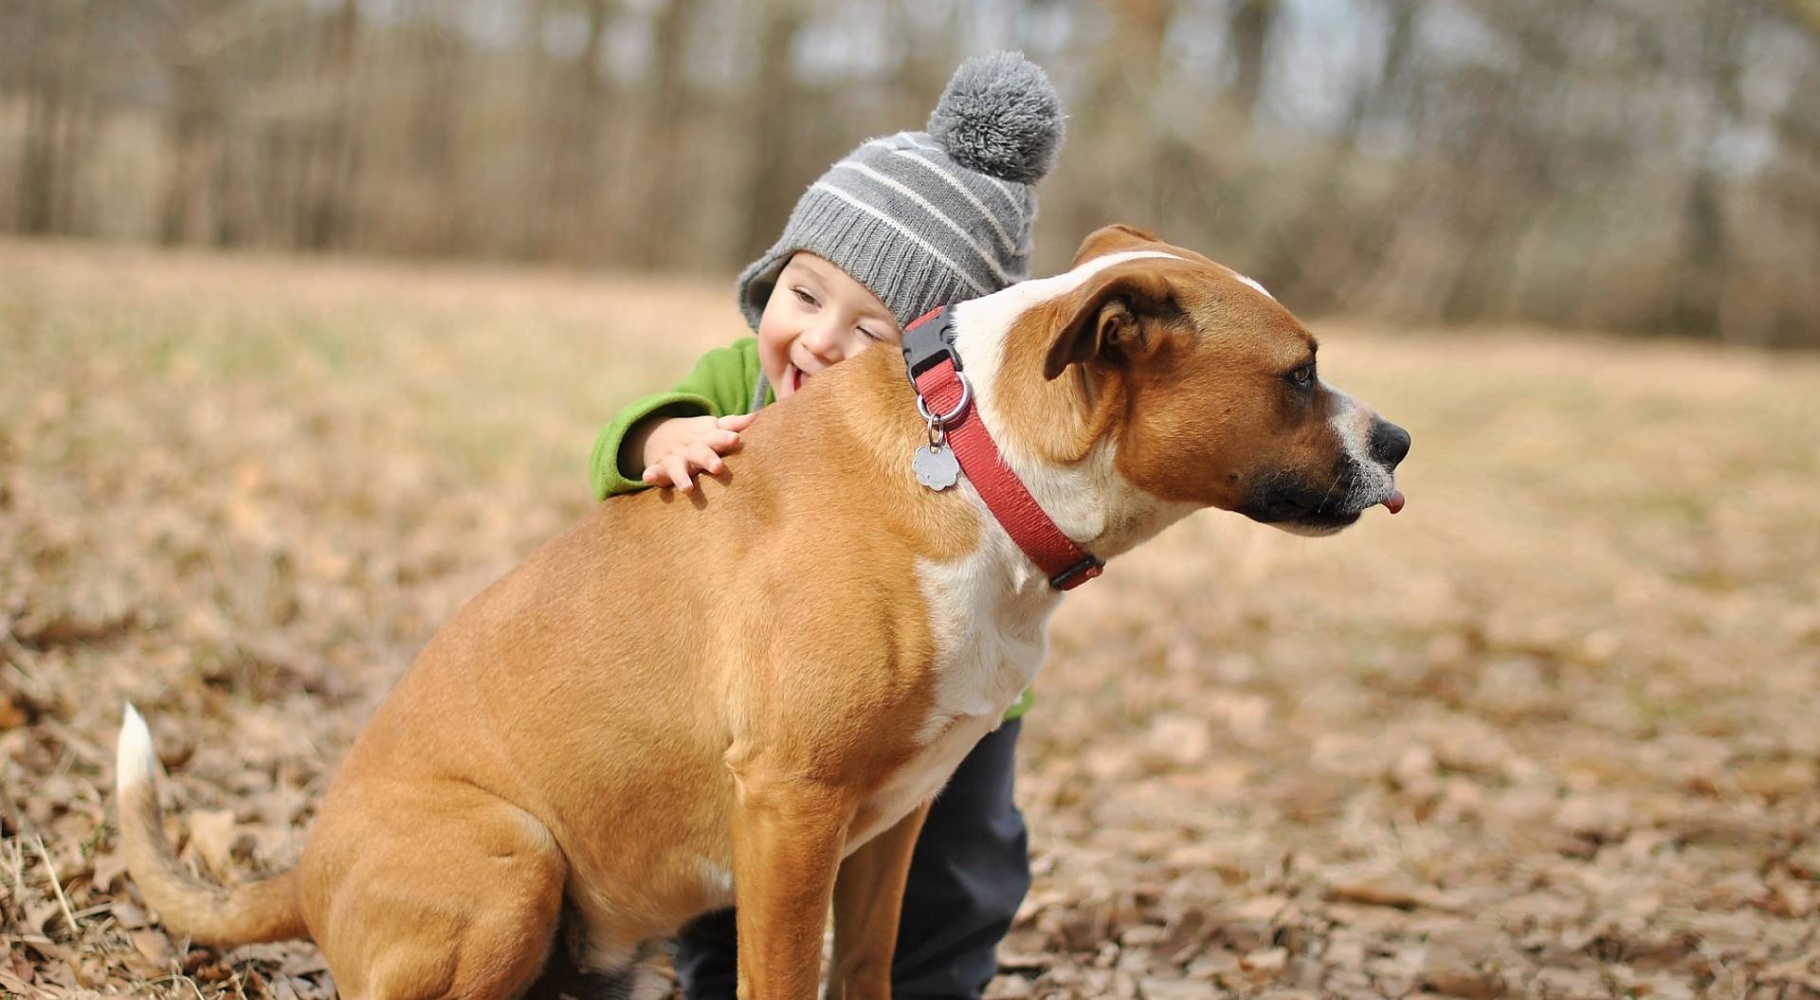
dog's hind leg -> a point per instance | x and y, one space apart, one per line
431 891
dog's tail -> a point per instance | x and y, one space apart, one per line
211 914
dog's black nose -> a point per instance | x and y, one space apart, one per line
1389 443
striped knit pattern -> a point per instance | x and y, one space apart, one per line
922 220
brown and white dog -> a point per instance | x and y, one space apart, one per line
615 738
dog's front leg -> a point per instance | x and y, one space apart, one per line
868 898
787 839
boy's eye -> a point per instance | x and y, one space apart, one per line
804 296
872 335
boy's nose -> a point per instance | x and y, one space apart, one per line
823 342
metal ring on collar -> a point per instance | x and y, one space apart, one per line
960 405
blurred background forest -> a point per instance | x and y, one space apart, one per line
1646 166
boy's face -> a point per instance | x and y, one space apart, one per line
817 316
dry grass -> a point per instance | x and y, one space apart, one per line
1550 732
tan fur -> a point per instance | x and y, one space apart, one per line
684 689
203 911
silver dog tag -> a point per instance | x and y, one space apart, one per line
936 468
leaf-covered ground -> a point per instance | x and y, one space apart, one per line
1554 731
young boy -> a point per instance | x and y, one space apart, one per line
902 225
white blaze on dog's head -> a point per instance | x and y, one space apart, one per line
1255 285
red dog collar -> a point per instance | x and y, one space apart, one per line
935 371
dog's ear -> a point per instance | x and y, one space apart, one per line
1113 239
1117 318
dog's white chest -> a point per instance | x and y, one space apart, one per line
989 637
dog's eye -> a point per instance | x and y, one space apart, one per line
1303 376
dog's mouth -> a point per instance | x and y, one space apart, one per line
1317 522
1306 507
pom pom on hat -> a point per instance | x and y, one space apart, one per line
926 219
1000 115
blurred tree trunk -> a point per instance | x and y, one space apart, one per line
434 124
332 158
665 188
57 117
1251 27
771 118
1115 109
927 50
189 136
568 106
541 139
38 172
1373 98
574 116
1700 282
1337 241
1806 14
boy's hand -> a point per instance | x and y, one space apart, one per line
676 449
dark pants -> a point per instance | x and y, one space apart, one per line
967 878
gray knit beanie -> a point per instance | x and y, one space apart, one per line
927 219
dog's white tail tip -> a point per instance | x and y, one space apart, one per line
135 763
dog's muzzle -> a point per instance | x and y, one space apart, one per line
1321 505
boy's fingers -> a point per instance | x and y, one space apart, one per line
704 457
723 441
737 422
681 476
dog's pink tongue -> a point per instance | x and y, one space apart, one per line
1395 503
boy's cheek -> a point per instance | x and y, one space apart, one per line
780 380
770 362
